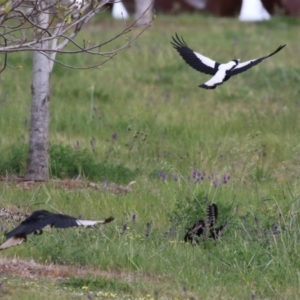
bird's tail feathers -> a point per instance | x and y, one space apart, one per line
208 87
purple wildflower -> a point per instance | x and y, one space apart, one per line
114 136
215 183
225 178
162 175
198 176
212 175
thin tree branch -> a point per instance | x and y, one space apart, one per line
61 29
110 55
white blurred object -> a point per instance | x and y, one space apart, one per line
77 3
143 11
252 11
199 4
119 11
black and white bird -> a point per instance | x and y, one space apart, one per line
220 72
207 227
40 219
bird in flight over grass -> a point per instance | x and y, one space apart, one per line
201 228
40 219
220 72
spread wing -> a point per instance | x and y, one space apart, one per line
40 219
242 67
36 221
61 221
195 60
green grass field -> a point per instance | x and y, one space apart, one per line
142 118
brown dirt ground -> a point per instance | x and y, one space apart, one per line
32 270
68 184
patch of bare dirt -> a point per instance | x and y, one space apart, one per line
33 270
68 184
10 216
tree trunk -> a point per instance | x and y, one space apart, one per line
140 7
38 166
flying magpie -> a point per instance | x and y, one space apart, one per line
40 219
220 72
208 226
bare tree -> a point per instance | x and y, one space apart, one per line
46 27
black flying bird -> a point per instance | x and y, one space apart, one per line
220 72
202 227
40 219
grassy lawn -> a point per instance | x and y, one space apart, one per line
142 118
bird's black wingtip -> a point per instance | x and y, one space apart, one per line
109 219
278 49
178 42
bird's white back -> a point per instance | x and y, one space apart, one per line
220 75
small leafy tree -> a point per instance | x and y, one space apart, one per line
46 27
